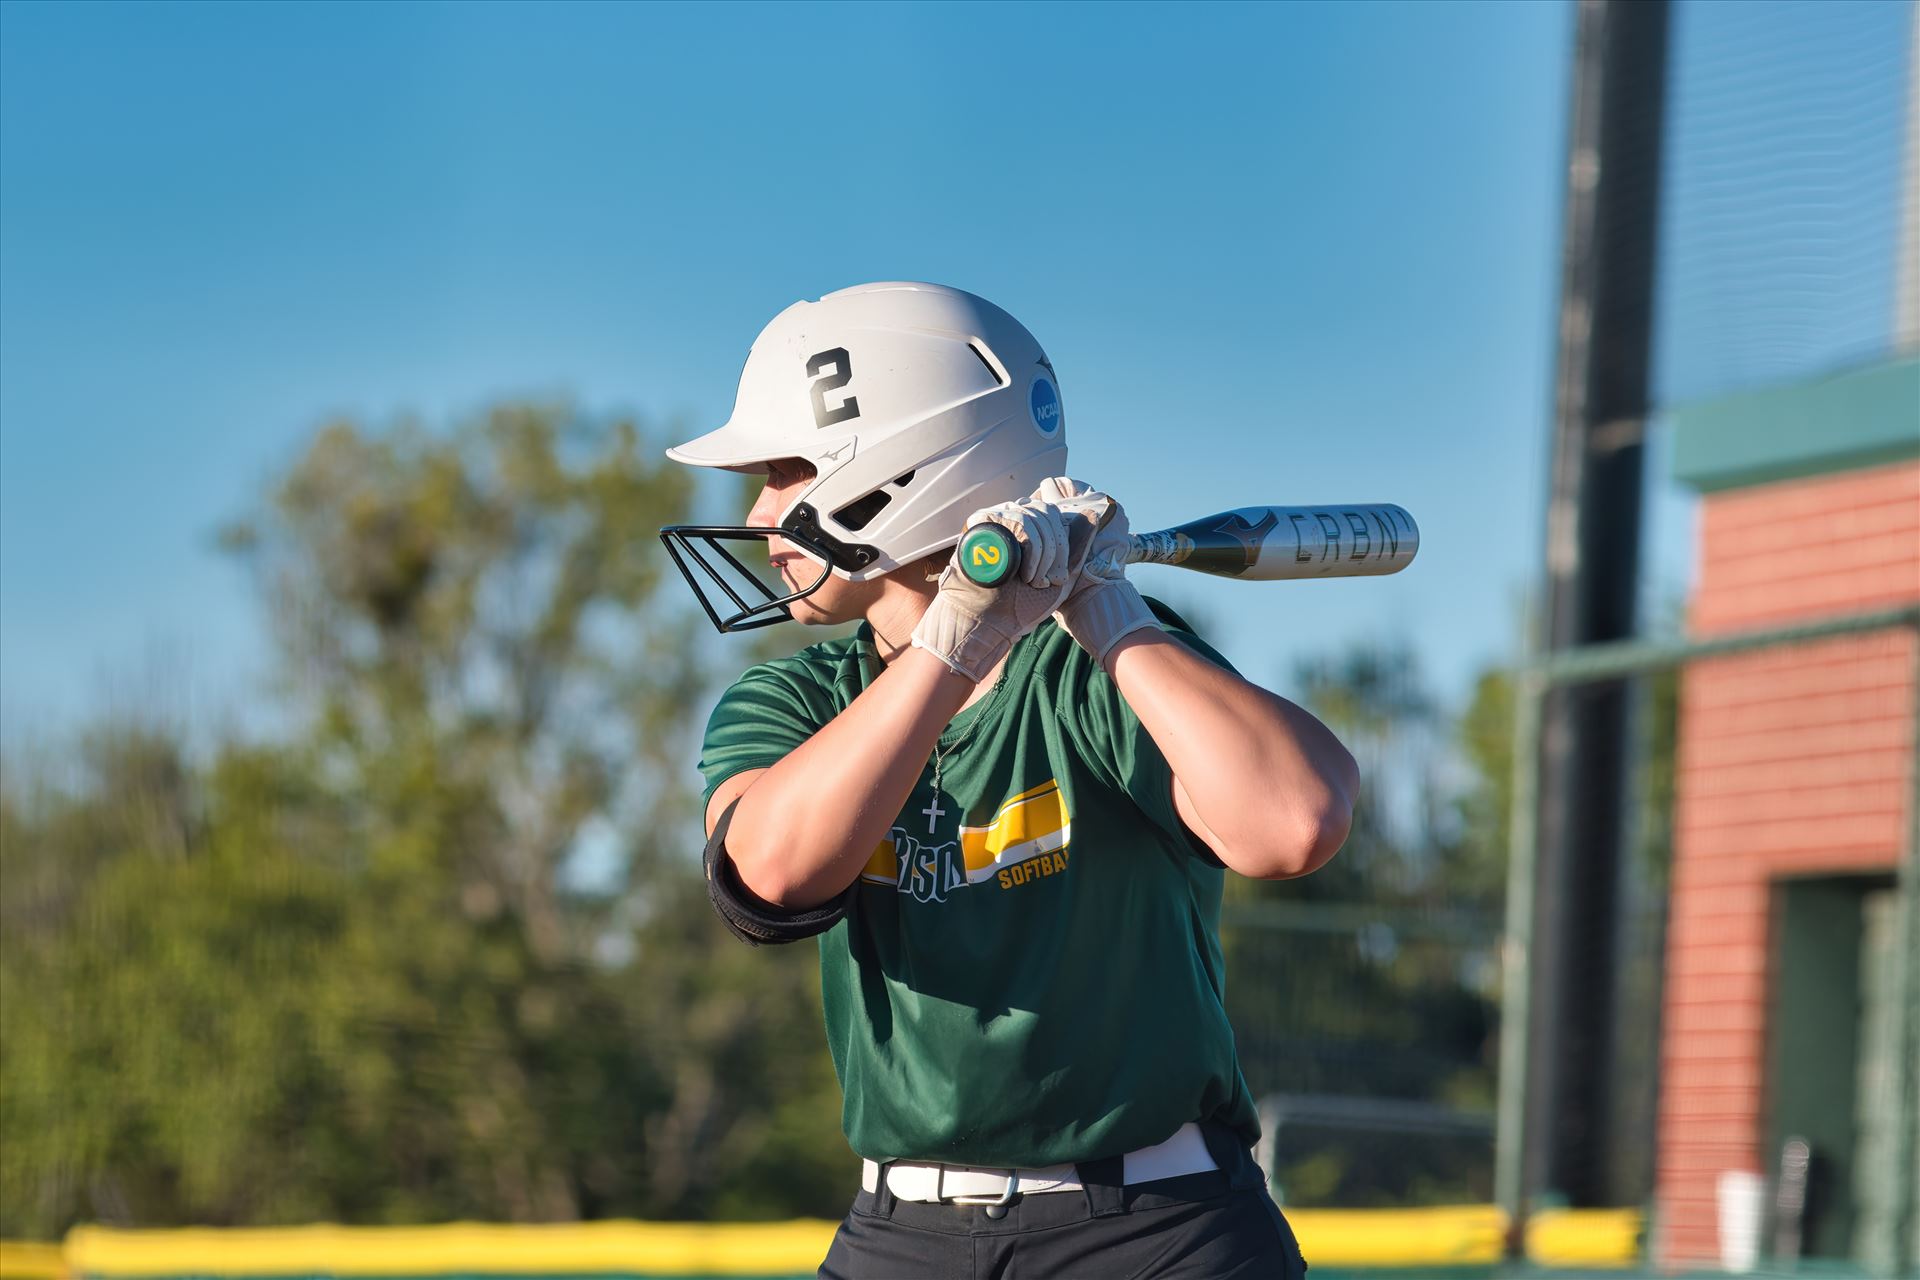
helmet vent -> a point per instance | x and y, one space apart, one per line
981 356
903 481
856 515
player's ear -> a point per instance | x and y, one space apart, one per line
927 568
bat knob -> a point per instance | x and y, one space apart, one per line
988 555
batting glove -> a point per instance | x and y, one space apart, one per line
1102 606
970 627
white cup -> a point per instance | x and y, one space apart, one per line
1743 1207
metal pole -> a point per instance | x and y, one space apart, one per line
1633 657
1903 1224
1509 1147
1593 538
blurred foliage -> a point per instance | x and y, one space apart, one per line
1378 976
444 951
1375 977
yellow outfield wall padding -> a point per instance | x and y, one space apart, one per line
20 1260
1585 1237
1458 1235
1463 1235
461 1248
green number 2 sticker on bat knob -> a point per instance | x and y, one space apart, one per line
988 554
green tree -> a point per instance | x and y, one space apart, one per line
1372 979
1484 806
443 951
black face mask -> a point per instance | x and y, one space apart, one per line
698 546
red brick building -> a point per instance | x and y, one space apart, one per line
1783 1012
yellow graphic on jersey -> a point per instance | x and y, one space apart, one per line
884 866
1026 826
1032 823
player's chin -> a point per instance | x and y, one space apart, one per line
823 608
808 613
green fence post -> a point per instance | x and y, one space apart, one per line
1903 1179
1516 949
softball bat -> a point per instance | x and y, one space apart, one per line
1257 544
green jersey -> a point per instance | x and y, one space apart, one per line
1029 969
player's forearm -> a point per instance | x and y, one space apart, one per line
804 829
1273 785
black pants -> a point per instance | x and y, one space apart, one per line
1219 1225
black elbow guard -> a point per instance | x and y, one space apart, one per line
752 918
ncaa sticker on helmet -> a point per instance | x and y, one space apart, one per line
916 404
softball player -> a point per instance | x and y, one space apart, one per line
1005 814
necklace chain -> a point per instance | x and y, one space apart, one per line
941 756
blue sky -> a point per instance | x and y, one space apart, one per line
1291 253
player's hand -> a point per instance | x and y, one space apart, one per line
970 627
1102 606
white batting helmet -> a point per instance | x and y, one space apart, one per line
916 404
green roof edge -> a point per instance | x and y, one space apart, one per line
1859 417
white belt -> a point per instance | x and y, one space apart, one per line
1185 1152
